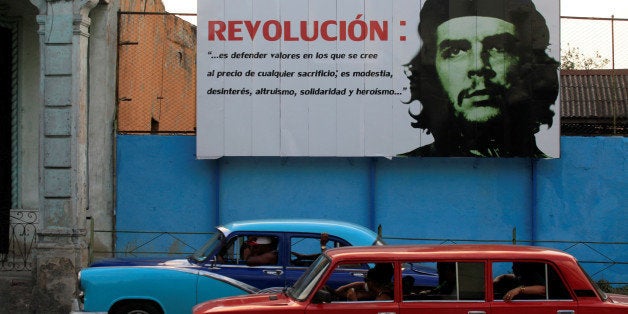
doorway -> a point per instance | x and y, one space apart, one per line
6 151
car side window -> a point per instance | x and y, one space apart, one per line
368 281
305 249
457 281
516 280
251 250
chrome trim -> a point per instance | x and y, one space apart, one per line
248 288
277 272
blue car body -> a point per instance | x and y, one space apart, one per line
215 270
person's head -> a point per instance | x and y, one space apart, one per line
523 269
474 57
483 62
260 245
446 272
379 276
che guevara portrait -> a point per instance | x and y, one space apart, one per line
483 77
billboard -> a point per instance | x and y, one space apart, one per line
357 78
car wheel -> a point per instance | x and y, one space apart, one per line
136 307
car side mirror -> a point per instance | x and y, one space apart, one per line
321 296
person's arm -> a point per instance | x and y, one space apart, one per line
524 290
386 295
324 240
504 277
268 258
358 285
350 290
246 252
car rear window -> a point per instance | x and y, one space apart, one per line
457 281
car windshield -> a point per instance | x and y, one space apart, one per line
302 288
208 248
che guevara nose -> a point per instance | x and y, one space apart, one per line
479 64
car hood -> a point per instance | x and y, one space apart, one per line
247 302
617 298
142 262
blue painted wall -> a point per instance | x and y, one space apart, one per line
579 197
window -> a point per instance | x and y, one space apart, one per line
252 250
457 281
305 249
302 288
527 281
362 282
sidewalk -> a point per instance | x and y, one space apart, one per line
16 290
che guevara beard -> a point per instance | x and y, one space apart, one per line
503 131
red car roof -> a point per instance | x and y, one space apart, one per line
458 251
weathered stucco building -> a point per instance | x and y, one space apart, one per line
61 95
58 103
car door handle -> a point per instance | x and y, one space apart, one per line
273 272
477 312
386 312
566 312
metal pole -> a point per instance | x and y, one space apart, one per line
613 82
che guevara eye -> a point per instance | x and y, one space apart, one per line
498 47
449 52
452 49
500 44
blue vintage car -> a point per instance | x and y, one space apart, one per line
241 257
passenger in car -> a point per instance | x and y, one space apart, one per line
527 281
377 285
446 282
260 251
407 285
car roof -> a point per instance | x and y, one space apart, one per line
355 234
449 251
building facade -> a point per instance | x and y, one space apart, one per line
60 91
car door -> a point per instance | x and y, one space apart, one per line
231 261
362 307
378 299
461 289
555 299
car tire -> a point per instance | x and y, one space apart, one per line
136 307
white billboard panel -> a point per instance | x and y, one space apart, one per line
348 78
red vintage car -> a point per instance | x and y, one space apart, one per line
472 279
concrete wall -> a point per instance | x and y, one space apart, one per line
580 197
157 69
